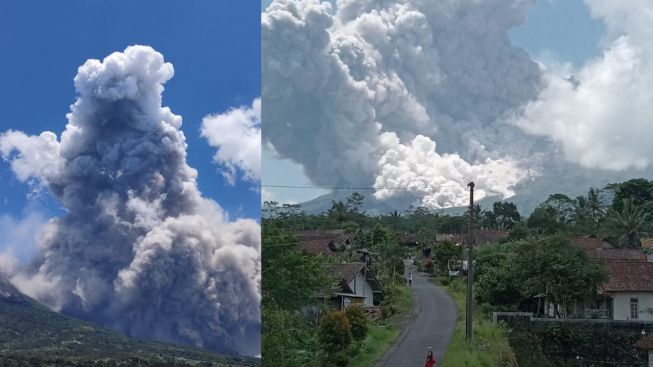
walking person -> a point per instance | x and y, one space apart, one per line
430 359
410 279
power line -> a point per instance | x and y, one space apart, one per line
359 188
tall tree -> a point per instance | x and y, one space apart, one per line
339 212
588 212
544 220
355 203
639 189
630 223
506 214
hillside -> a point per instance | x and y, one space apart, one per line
33 335
529 195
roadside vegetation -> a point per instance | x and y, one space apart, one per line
489 347
296 288
534 263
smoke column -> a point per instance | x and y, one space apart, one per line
139 249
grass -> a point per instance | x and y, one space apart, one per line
381 335
379 338
489 347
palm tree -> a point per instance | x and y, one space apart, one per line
630 224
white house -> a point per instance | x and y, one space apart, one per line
630 288
626 295
357 284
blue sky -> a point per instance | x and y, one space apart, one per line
560 30
213 45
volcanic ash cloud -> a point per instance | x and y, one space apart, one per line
357 92
139 249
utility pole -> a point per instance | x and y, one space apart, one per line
470 265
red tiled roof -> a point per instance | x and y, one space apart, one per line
591 245
346 271
320 242
621 254
320 232
484 236
629 276
316 247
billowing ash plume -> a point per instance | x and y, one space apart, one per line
360 95
139 248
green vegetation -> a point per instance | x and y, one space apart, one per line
442 253
382 334
489 347
509 276
292 280
358 322
335 339
535 262
296 289
379 338
557 344
32 335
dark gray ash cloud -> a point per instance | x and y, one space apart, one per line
139 249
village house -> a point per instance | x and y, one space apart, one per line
356 284
481 237
628 292
324 242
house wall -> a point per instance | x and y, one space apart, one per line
621 304
361 287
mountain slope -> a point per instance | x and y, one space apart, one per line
33 335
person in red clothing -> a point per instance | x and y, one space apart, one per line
430 360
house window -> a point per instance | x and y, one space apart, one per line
634 308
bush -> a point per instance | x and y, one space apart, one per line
445 281
485 309
358 322
335 338
337 359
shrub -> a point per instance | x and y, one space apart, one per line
335 338
358 322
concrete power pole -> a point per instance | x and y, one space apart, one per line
470 265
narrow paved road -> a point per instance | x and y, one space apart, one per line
431 324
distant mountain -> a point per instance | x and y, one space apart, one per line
33 335
371 205
527 199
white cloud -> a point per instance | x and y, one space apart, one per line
603 118
237 136
33 158
440 180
